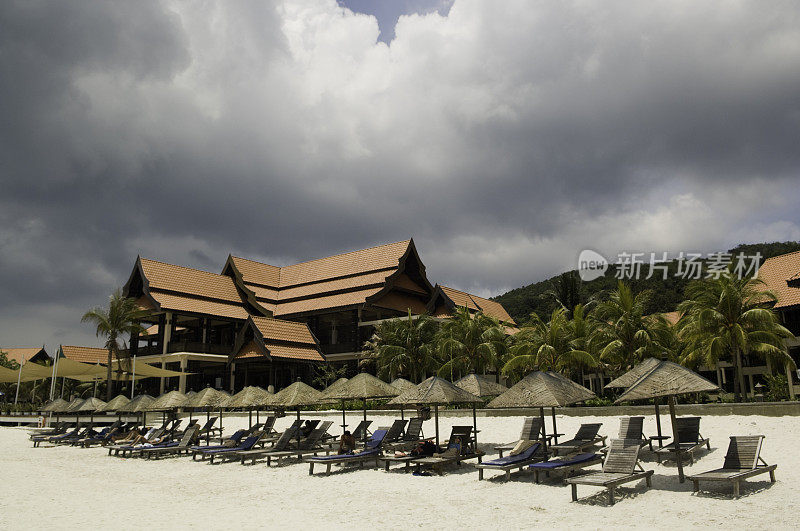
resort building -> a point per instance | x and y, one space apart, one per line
25 354
260 324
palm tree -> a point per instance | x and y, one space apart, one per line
623 335
728 318
470 343
565 290
404 347
122 317
559 345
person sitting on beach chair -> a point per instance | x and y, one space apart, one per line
347 443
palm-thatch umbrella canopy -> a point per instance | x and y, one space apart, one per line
543 389
295 396
480 385
437 392
138 404
630 377
75 405
402 384
361 386
667 379
170 400
90 405
190 394
249 397
115 403
208 399
56 406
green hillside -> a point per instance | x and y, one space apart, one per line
521 302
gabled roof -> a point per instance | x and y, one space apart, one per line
452 298
161 286
343 280
85 354
20 354
276 338
776 272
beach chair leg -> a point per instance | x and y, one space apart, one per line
735 489
328 469
648 481
574 492
708 444
480 474
772 476
508 475
311 468
535 476
611 495
696 485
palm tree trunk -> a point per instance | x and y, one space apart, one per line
740 391
108 375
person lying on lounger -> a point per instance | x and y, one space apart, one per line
347 443
130 436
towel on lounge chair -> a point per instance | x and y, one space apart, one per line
511 459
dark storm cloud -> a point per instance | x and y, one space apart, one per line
503 141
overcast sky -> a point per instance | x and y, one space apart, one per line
504 138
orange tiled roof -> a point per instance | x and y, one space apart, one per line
20 354
301 352
190 281
85 354
776 272
476 303
284 330
341 280
180 303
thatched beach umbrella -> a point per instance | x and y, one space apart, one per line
208 399
168 402
543 389
668 379
56 406
361 386
480 385
332 389
295 396
138 404
75 405
116 403
91 405
437 392
249 397
629 378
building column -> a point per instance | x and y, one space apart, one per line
182 377
719 376
233 377
789 380
167 336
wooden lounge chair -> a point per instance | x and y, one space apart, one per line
311 445
101 437
179 447
631 428
125 449
247 444
688 442
531 431
742 461
395 431
50 438
460 447
361 432
282 443
371 452
412 436
620 467
70 439
565 465
532 454
585 438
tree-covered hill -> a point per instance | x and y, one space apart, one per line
666 293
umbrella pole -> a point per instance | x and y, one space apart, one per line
555 430
298 427
344 421
544 431
436 414
257 421
401 413
249 418
220 421
475 427
364 401
658 424
675 437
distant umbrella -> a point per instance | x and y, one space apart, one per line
630 377
543 389
363 386
208 399
437 392
295 396
115 403
480 385
249 397
667 379
402 384
170 400
138 404
56 406
75 405
91 405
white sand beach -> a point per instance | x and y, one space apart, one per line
67 487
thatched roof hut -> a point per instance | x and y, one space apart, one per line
480 385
